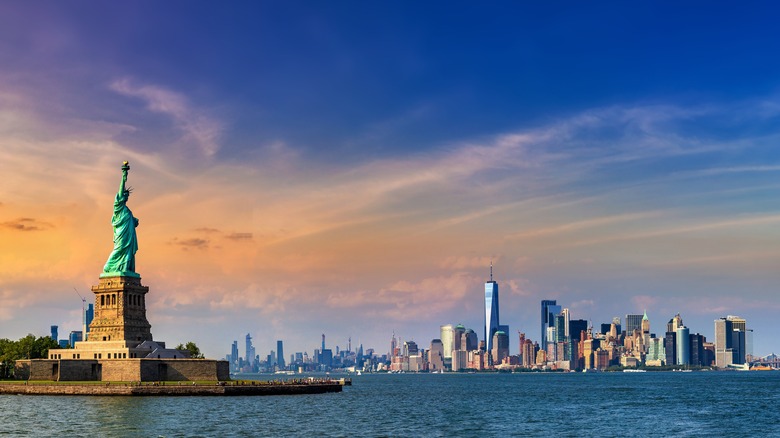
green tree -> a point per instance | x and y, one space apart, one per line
29 347
191 348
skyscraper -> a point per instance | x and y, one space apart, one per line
548 307
730 341
436 355
469 341
279 354
491 311
457 337
500 348
249 358
575 327
697 350
670 347
86 319
75 336
234 355
447 333
633 322
54 333
683 346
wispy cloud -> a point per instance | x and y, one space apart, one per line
731 170
239 236
583 225
676 230
193 242
196 126
26 224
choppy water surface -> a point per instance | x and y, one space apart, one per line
608 404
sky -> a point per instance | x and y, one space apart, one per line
352 168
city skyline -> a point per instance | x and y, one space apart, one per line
352 169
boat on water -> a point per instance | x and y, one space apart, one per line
634 371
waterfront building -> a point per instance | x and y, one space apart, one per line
633 322
447 333
326 358
683 346
460 360
697 349
656 353
249 352
629 362
549 309
457 337
723 351
491 310
674 324
565 314
616 321
75 336
577 326
234 356
670 346
589 347
601 359
645 331
88 314
709 353
521 335
500 346
737 323
436 355
541 357
410 348
552 336
528 354
469 340
477 360
416 363
280 355
561 324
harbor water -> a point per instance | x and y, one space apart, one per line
522 404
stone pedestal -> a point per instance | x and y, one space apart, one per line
120 311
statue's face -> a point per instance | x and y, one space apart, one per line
126 194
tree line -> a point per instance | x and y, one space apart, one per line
28 347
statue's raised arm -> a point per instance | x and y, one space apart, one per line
125 169
121 262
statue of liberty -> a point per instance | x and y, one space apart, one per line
121 262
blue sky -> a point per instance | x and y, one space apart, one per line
352 167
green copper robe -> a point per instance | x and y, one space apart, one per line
122 258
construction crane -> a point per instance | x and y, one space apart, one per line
83 300
84 327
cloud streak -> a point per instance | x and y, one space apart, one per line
25 224
197 128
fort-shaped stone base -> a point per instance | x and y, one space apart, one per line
124 370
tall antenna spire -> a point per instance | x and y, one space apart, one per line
491 269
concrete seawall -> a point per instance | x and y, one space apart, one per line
146 389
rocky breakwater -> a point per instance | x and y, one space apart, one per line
288 387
